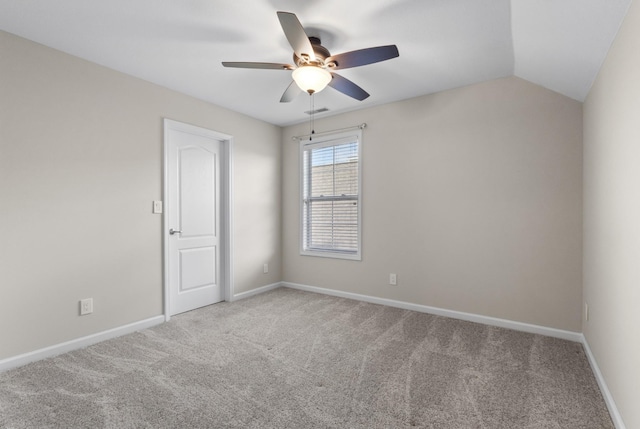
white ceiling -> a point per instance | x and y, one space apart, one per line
443 44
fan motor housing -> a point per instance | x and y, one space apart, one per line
320 51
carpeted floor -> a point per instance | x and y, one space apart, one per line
292 359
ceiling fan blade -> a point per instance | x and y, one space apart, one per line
269 66
296 35
363 57
291 92
347 87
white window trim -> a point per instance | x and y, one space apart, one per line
330 140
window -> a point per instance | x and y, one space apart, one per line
331 171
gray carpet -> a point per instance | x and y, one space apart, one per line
291 359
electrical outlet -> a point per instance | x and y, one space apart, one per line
265 268
586 311
86 306
393 279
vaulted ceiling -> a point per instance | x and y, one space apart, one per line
443 44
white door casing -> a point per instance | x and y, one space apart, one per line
197 243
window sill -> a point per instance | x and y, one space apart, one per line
333 255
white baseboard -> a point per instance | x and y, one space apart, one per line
492 321
485 320
608 399
78 343
256 291
20 360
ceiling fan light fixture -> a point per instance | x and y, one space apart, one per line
311 78
313 65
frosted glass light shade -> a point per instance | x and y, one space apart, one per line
311 79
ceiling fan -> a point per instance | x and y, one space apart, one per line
314 65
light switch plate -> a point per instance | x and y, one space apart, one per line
157 207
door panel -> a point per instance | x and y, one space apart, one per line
196 271
193 212
197 191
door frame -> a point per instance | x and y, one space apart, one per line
226 209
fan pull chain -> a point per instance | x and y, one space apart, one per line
312 119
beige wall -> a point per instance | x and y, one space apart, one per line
80 163
472 196
612 218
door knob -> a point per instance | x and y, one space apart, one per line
174 231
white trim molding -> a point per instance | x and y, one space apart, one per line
604 389
78 343
469 317
256 291
491 321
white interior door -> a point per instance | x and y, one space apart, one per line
193 198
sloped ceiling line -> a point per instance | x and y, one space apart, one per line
443 44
